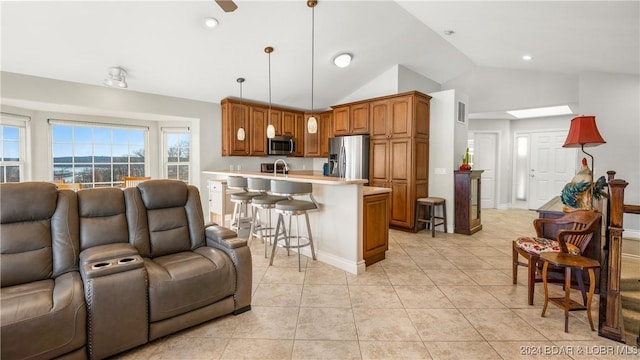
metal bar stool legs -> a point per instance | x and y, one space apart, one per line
293 207
286 240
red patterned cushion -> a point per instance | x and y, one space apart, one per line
536 245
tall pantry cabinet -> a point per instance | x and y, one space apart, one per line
399 154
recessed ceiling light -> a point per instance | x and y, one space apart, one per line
210 22
527 57
342 60
449 32
540 112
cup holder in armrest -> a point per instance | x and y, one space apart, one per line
127 260
101 265
112 266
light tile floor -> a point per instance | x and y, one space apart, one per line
448 297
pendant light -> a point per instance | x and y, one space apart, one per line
271 130
312 122
241 134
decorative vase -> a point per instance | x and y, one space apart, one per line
465 162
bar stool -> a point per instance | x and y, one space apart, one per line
241 200
266 202
429 214
293 207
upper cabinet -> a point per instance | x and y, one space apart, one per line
394 117
317 145
351 119
254 118
235 116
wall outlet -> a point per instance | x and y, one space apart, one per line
441 171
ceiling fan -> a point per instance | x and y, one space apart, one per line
227 5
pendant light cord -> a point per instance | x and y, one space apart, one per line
313 9
269 88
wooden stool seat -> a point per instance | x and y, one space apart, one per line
430 218
569 261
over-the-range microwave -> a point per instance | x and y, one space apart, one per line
281 145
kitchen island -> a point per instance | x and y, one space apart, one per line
337 225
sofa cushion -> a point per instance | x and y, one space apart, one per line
185 281
43 318
160 194
102 217
38 222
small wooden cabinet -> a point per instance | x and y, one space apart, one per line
375 221
317 145
467 202
234 117
352 119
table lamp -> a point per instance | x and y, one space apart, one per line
584 133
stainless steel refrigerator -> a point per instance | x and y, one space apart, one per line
349 157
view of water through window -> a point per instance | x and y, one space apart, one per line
97 156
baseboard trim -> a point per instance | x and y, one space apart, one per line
504 207
631 257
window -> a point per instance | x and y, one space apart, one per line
177 159
12 148
97 155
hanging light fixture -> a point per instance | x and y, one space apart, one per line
271 130
312 122
241 134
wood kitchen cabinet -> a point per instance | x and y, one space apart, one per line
467 196
254 118
351 119
399 152
234 117
317 145
300 128
276 121
287 124
375 233
258 138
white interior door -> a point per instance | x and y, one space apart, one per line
552 166
485 151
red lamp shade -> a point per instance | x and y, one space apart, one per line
583 132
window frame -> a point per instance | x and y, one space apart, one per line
166 130
105 125
23 123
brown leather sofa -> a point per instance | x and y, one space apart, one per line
93 273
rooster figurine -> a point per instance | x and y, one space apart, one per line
576 195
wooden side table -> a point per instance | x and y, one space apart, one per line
568 262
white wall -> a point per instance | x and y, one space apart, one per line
614 99
409 80
504 156
492 89
442 154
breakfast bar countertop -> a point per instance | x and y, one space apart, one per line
314 177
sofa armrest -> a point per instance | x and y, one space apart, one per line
221 236
223 239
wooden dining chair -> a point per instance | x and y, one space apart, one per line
70 186
576 231
130 181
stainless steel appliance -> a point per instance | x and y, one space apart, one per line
349 156
281 145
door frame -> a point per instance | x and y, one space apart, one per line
519 204
497 170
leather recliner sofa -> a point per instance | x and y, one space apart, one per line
100 271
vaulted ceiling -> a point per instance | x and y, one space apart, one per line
167 50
